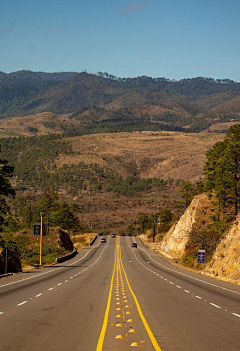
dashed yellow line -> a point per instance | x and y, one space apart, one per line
104 326
118 268
150 333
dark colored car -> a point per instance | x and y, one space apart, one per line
99 234
134 244
123 234
103 240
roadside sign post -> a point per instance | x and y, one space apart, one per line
201 258
6 262
40 229
41 238
7 253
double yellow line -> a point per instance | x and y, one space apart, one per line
119 264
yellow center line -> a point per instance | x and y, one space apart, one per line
104 326
150 333
118 269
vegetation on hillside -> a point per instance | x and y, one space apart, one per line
28 92
222 170
35 167
6 171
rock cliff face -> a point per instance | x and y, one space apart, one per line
226 260
196 214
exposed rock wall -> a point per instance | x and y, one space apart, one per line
226 259
225 262
197 215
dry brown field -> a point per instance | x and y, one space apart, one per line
150 154
162 155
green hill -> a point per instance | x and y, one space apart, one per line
190 101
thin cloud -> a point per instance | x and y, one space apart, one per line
135 7
9 29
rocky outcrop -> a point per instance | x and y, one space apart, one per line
177 237
225 262
226 259
64 240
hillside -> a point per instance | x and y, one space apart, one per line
223 261
40 124
194 103
112 177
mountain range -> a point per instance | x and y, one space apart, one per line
193 104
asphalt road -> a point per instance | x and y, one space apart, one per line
115 297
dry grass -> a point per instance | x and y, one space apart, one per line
162 155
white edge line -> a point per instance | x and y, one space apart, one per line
189 276
235 314
213 304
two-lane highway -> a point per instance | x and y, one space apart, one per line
115 297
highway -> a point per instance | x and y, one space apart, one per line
115 297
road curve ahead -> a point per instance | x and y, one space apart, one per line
115 297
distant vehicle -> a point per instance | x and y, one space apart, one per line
134 244
113 236
103 240
129 234
123 234
99 234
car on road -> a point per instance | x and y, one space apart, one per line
123 234
99 234
113 236
103 240
134 244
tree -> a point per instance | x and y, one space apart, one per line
222 169
187 191
64 217
24 207
6 189
166 215
144 222
49 202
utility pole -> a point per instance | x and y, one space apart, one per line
154 222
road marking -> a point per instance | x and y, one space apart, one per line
200 298
51 271
105 321
213 304
186 275
22 303
235 314
148 330
118 269
38 295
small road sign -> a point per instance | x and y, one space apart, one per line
201 256
37 229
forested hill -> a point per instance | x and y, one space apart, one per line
26 93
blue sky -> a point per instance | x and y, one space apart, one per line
128 38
